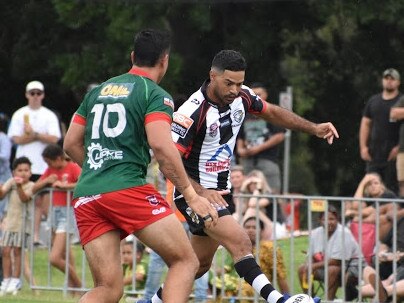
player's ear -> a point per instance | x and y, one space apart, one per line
132 57
212 74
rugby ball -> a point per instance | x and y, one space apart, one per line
300 298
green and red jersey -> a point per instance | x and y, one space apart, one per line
115 114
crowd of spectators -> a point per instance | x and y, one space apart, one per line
34 134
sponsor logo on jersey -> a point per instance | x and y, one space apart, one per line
159 211
152 200
181 124
196 101
238 116
97 155
168 102
213 129
116 90
215 165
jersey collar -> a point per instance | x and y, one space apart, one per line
138 72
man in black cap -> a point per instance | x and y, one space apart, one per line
378 134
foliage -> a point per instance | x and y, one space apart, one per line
331 52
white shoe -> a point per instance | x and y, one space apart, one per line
3 286
13 286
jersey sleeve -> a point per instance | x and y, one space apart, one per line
252 102
183 127
160 106
80 115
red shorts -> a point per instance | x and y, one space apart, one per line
127 210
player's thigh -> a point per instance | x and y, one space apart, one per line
168 238
103 257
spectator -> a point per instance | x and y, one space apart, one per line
236 180
336 251
258 144
378 135
257 185
139 274
266 252
397 113
61 175
32 128
5 155
386 252
371 186
19 190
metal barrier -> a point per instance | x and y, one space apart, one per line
311 205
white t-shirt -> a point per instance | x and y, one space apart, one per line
42 121
341 245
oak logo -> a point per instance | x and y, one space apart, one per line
116 90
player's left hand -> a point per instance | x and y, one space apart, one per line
215 197
326 131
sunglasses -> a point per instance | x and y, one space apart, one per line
36 93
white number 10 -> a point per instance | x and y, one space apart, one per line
111 132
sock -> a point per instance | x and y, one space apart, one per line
158 296
248 269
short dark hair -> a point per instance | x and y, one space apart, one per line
20 160
53 151
229 59
149 46
331 209
255 219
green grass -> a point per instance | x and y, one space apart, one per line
56 279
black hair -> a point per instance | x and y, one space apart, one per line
4 121
331 209
53 151
20 160
254 218
149 46
229 59
140 247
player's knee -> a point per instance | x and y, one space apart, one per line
240 248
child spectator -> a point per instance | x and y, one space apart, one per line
19 191
61 175
139 275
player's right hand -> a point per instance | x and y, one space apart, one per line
215 197
202 207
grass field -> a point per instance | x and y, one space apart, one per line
53 278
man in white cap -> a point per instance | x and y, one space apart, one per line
32 128
378 134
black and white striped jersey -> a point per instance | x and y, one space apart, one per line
207 134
